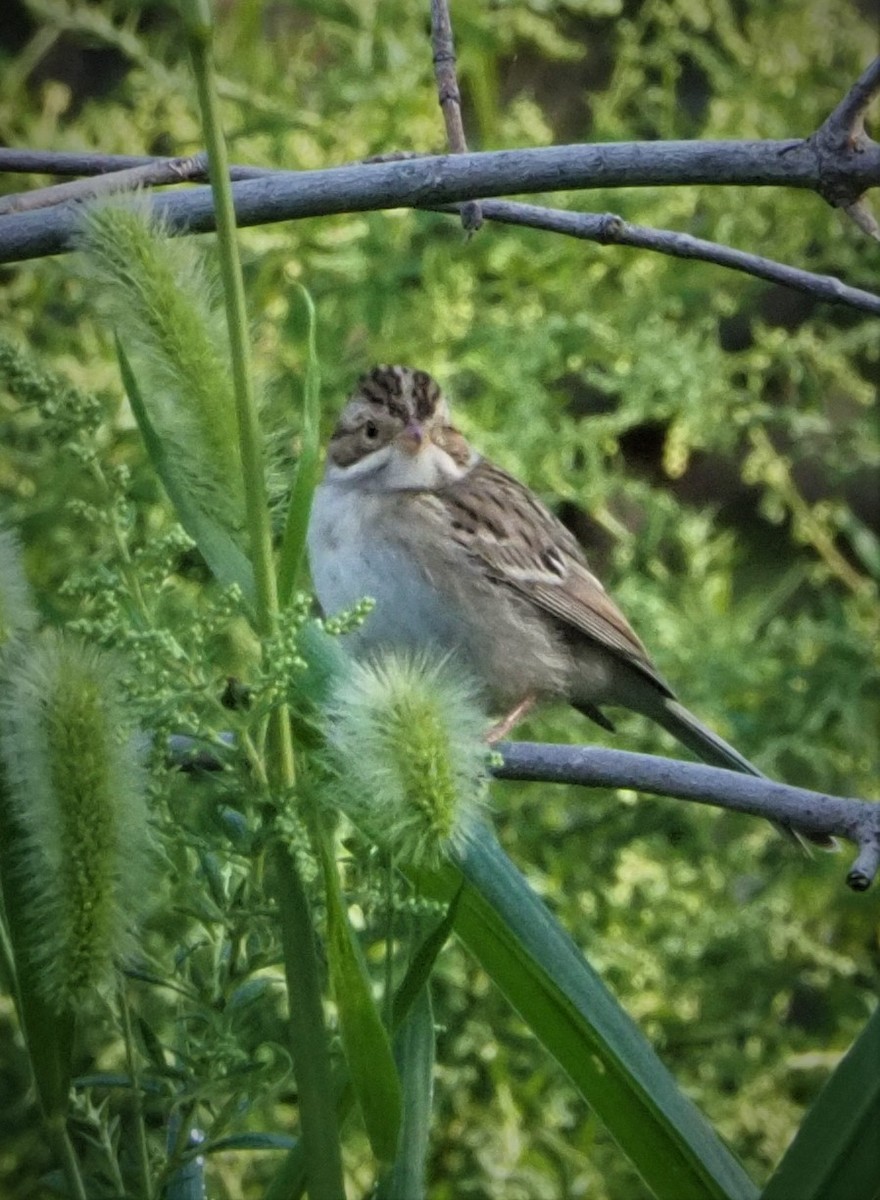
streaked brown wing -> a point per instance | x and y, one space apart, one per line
521 544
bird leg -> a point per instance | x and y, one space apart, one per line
504 726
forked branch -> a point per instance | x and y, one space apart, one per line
450 99
840 138
283 195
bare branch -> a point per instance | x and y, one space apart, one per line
450 98
860 212
86 162
604 228
150 174
437 180
67 162
849 115
814 812
607 228
595 766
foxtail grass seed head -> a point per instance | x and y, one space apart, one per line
405 732
17 612
166 308
77 793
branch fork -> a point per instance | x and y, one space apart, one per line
842 138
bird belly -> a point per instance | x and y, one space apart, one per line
351 557
428 597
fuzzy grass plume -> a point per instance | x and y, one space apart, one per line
405 732
164 304
76 793
17 612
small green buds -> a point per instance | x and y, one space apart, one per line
76 797
406 736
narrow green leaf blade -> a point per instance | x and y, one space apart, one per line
546 978
290 1181
414 1047
48 1034
296 527
836 1152
226 560
250 1141
367 1046
419 970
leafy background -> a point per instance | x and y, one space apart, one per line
710 438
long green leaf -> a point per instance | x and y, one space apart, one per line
414 1047
290 1181
418 973
225 558
320 1145
546 978
293 543
836 1152
364 1037
48 1034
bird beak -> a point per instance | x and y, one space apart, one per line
412 437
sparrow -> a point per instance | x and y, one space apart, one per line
460 556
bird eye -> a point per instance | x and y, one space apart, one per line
371 431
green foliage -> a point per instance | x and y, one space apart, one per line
712 440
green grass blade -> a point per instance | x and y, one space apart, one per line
414 1047
836 1152
364 1037
419 970
290 1181
296 527
226 560
48 1033
569 1009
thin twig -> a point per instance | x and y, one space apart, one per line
608 229
849 115
87 162
153 173
449 96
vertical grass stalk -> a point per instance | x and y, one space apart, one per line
143 1153
308 1034
296 526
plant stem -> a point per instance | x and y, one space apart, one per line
249 433
61 1141
308 1035
388 994
311 1059
307 469
137 1097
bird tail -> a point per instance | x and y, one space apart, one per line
712 749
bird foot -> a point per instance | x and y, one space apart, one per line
501 728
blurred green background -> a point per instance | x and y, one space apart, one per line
711 439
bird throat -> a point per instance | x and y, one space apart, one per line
435 466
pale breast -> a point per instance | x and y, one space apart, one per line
352 556
428 593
